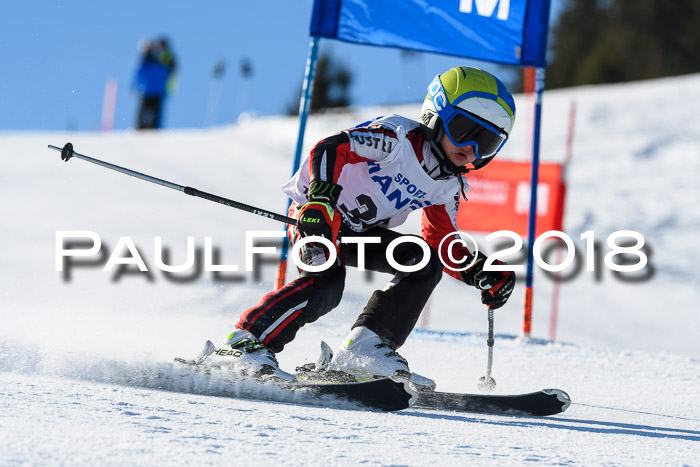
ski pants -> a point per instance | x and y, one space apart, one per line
391 312
150 112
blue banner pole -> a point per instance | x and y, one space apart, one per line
532 215
304 105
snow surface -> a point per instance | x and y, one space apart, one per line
85 355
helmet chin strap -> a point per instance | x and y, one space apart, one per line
447 167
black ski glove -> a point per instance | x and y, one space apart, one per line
495 286
318 216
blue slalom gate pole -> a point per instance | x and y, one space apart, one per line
304 105
532 215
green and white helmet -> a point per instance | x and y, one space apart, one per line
473 107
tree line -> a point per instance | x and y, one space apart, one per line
609 41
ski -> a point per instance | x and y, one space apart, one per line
387 394
314 384
538 404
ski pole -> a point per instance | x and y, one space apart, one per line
67 152
487 383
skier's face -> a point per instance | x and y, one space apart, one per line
459 156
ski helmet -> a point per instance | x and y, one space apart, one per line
473 107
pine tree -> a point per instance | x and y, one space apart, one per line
331 86
596 41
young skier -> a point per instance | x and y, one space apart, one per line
361 182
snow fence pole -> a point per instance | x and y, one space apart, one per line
487 383
67 153
304 106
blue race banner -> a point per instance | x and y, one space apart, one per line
512 32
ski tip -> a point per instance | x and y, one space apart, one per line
561 396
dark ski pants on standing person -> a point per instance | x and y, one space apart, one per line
391 312
149 113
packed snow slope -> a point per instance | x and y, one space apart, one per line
85 353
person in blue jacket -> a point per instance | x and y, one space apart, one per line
154 81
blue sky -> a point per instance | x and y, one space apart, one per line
57 55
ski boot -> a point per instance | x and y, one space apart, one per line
362 356
245 355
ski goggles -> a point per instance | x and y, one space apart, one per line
464 129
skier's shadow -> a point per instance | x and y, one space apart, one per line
604 427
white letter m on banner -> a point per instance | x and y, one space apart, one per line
486 7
